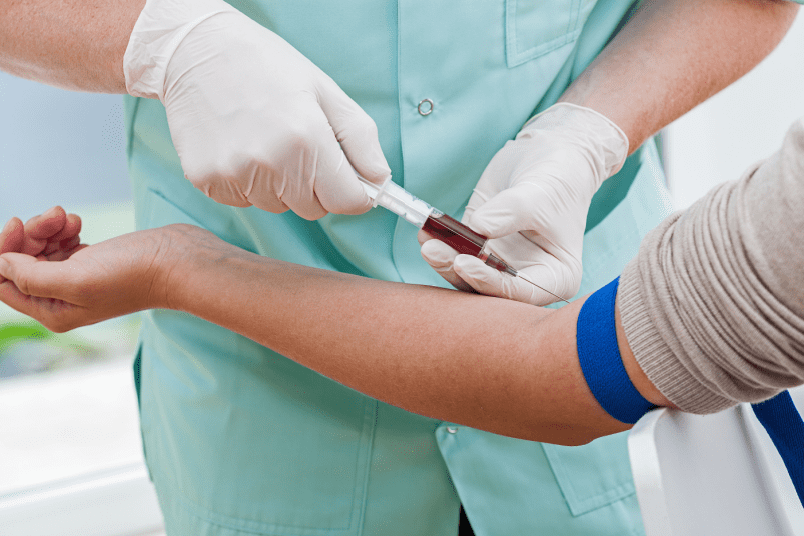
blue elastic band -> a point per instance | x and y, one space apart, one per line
600 358
783 423
605 374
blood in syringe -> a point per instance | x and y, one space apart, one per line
463 240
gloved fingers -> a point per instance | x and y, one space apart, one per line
478 198
422 236
223 190
441 257
324 168
554 268
553 276
538 205
491 282
355 131
340 191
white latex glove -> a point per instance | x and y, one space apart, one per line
532 200
254 122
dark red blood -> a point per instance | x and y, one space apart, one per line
454 233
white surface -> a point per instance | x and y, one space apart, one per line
63 425
120 502
744 123
711 475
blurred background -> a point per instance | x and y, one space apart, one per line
68 411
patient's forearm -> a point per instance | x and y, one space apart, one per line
489 363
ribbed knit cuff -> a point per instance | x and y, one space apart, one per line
654 355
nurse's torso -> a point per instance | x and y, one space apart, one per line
237 437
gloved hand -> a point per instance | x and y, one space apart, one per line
532 200
254 122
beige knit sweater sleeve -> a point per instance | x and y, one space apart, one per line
713 304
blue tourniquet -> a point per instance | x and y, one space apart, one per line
600 358
602 366
783 423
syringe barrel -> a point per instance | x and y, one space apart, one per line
463 240
399 201
455 234
437 224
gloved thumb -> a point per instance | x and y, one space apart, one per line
510 211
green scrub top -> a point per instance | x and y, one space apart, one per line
239 439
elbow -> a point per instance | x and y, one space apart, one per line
571 436
577 440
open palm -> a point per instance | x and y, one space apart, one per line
48 275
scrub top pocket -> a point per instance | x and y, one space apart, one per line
534 28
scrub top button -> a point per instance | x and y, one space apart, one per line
452 429
426 107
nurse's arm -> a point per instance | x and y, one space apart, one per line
73 44
480 361
673 55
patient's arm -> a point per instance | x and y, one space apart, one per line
493 364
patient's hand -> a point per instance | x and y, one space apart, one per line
46 274
52 235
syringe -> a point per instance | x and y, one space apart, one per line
438 225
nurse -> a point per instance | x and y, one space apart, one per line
240 440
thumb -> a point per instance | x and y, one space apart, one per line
508 212
491 282
35 277
357 133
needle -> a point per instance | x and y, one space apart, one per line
520 274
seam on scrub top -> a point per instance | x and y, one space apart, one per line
130 133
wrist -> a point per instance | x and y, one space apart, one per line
172 265
604 142
157 33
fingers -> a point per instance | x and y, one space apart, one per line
339 191
57 251
487 280
41 235
39 228
356 137
71 229
46 224
315 177
12 236
356 133
55 315
441 257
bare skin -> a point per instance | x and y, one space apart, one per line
673 55
72 44
513 368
